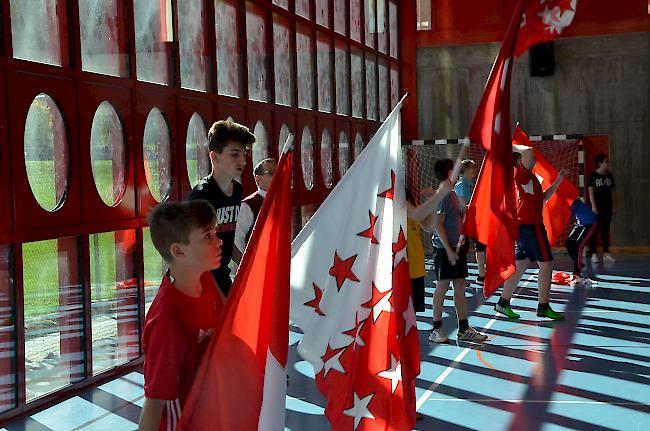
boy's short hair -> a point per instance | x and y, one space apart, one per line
258 167
600 158
442 168
225 131
172 222
466 164
516 157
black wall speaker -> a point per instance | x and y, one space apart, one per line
542 59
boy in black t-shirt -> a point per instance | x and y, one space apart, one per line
601 196
228 143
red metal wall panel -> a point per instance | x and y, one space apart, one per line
467 21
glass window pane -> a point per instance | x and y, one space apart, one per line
358 145
102 37
283 61
341 63
38 30
339 16
156 146
261 146
114 299
302 8
197 156
307 158
257 50
344 153
370 26
7 330
154 269
355 20
282 3
153 31
371 86
324 67
382 39
423 15
394 85
53 304
194 53
383 90
284 134
305 67
327 167
356 65
107 154
323 12
46 152
228 49
393 29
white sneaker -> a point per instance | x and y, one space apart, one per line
608 258
472 335
436 336
594 258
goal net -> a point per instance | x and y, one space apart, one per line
420 159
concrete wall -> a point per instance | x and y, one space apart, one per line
600 86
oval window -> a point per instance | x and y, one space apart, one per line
107 154
197 156
46 152
156 149
307 158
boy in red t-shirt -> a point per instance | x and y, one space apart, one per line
184 314
533 242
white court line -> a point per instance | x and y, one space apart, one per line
441 378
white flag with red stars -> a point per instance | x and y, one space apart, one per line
350 293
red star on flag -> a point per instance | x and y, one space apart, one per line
390 193
401 241
342 270
370 232
332 360
399 248
380 302
315 303
355 333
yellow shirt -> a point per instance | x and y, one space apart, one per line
415 250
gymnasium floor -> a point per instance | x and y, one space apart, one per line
591 372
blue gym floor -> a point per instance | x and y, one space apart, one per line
591 372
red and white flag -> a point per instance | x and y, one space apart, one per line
544 20
491 217
350 293
241 384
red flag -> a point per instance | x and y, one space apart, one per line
491 217
557 210
241 383
543 21
350 294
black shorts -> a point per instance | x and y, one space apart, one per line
478 246
533 244
442 267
